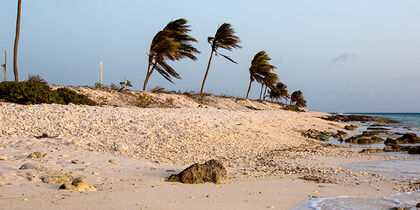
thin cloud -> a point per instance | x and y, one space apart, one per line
341 59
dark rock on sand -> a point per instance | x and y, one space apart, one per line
414 150
78 184
319 135
211 171
36 167
378 129
409 138
370 133
37 155
350 127
340 134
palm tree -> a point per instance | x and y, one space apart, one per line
225 39
172 43
259 69
15 68
279 91
297 98
269 81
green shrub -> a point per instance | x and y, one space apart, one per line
29 93
70 96
32 92
294 108
36 78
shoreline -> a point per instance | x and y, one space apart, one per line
263 150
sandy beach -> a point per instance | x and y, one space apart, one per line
127 153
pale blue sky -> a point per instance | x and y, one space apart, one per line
346 56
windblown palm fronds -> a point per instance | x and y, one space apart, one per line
297 98
260 68
225 38
279 91
172 43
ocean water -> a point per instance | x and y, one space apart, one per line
405 119
399 169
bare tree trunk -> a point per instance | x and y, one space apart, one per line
249 89
149 73
207 72
5 66
262 87
15 68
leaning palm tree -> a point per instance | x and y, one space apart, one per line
279 91
269 81
15 53
260 67
172 43
225 39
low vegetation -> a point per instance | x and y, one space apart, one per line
39 92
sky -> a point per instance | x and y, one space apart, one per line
345 56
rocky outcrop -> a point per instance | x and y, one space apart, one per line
409 138
350 127
340 134
357 118
212 171
394 148
360 139
319 135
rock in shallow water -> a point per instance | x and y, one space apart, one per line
211 171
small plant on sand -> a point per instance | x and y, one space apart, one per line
113 86
125 85
144 101
102 100
170 101
98 85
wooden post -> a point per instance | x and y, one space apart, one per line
4 66
100 65
125 83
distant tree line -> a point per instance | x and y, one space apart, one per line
173 43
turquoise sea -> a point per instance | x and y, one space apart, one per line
405 119
410 168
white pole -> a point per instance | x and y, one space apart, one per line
100 65
125 83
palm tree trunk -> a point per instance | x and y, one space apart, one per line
249 89
207 72
265 93
262 87
149 73
15 68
